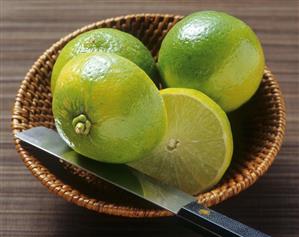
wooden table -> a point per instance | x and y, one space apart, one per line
28 209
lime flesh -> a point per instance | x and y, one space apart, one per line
197 147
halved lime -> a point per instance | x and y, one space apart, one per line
197 147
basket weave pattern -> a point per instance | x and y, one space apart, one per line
262 121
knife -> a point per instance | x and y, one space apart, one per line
174 200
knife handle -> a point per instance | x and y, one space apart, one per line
215 222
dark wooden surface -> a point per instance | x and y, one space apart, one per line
28 209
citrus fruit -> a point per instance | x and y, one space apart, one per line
110 41
215 53
197 147
107 108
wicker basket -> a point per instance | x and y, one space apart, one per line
259 128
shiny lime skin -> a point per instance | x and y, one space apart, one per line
110 41
121 111
215 53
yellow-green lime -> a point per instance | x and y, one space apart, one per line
107 108
110 41
215 53
197 147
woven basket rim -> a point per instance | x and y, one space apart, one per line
215 196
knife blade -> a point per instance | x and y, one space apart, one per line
170 198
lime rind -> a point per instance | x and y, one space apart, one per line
215 53
107 40
107 108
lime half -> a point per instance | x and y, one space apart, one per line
197 147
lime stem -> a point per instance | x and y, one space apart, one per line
81 125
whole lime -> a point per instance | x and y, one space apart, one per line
110 41
107 108
215 53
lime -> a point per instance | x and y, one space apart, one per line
107 108
110 41
215 53
197 147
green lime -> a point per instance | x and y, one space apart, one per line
215 53
110 41
197 147
107 108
